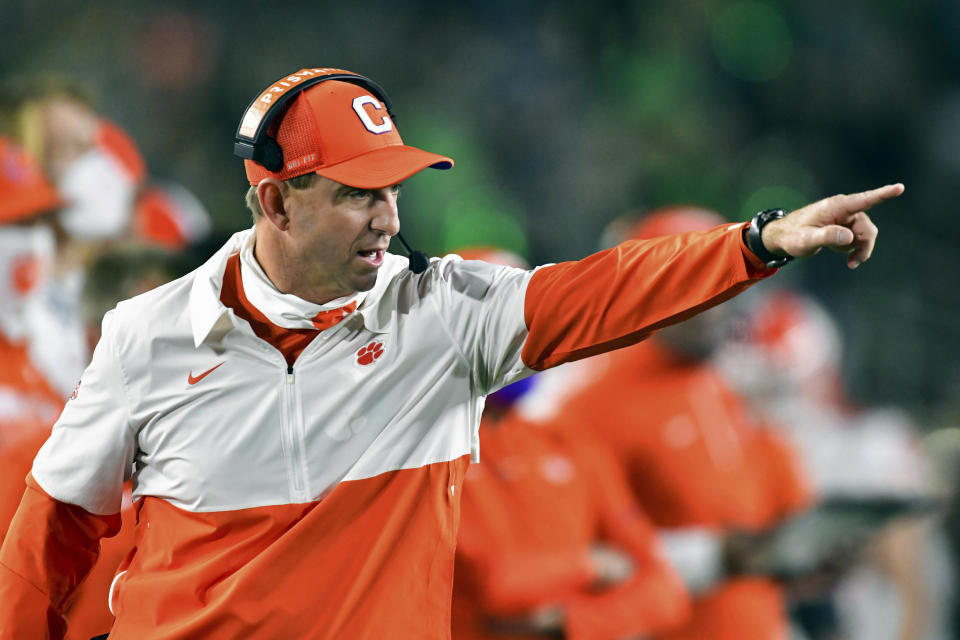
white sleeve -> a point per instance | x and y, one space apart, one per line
481 308
90 452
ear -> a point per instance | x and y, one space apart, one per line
270 196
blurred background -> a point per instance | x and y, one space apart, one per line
564 116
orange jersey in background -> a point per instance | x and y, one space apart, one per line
29 405
531 510
28 408
695 458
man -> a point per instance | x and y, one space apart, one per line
298 414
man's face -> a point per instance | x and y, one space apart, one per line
337 236
69 131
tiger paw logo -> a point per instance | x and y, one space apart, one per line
76 391
369 353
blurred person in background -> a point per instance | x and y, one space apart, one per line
169 216
104 205
109 201
551 543
707 473
29 403
789 366
97 170
942 445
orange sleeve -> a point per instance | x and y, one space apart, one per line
618 297
15 462
654 599
526 578
88 610
514 580
50 547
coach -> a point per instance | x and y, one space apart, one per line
298 413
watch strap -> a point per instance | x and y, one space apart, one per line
754 238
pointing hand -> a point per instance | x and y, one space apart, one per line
839 222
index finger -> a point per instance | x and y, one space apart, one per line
866 199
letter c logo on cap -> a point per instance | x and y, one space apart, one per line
385 123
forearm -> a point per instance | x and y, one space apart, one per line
532 577
618 297
49 548
654 600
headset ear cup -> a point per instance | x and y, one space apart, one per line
271 155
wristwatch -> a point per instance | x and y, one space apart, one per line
754 242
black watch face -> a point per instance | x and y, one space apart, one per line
772 214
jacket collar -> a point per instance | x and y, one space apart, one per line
206 311
379 308
210 319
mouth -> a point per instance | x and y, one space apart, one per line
374 257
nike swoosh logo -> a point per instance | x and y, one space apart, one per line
194 380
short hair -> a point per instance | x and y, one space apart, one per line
305 181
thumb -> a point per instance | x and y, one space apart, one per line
835 236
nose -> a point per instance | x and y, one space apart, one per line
385 216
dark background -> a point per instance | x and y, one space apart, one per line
563 115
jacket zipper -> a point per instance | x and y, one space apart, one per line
293 431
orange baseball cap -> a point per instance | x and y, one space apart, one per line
24 191
336 128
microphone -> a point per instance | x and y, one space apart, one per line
418 259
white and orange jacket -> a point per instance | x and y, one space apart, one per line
319 500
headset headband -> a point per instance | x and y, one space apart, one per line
252 142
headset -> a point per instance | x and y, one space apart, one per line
253 142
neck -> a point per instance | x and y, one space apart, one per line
287 273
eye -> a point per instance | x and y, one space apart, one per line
359 194
396 189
